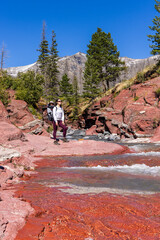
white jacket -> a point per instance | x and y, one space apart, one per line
58 114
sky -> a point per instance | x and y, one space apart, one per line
74 22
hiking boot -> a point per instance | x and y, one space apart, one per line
65 140
56 142
53 138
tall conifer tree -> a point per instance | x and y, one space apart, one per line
44 51
75 98
52 69
66 88
103 64
155 38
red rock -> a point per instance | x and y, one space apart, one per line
141 117
91 131
12 215
5 175
46 147
137 106
19 113
156 137
121 99
20 116
111 128
9 132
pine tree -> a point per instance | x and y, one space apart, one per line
52 70
3 56
44 51
75 98
66 88
90 89
155 38
103 64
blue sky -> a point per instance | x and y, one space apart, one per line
74 22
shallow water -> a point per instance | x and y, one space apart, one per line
95 197
127 173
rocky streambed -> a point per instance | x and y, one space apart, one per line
75 194
18 161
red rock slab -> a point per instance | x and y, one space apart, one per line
44 146
38 146
9 132
13 212
19 113
156 137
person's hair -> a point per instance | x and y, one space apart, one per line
57 102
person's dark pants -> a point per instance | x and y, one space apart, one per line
60 124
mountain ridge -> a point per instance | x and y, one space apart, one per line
74 65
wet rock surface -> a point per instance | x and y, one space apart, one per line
74 198
18 159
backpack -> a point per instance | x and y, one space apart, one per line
50 113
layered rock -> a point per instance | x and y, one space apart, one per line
8 130
134 112
20 116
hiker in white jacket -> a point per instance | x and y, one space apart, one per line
58 115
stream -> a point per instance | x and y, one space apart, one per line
95 197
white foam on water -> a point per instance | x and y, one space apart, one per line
154 154
136 169
73 189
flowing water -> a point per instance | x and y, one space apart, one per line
137 172
129 181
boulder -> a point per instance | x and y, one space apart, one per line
18 112
20 116
9 132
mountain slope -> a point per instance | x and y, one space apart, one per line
74 66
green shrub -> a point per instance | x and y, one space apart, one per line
156 122
34 112
29 87
136 98
157 92
4 96
140 78
158 71
50 129
116 94
6 80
